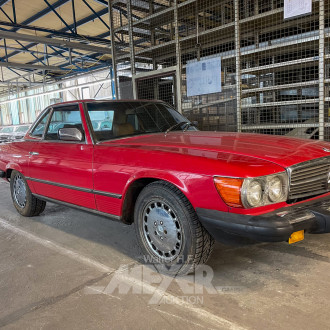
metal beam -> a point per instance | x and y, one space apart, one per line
178 77
79 23
120 9
79 37
14 10
12 70
3 2
54 42
96 14
114 81
31 66
62 31
41 13
131 39
24 83
321 70
238 67
61 50
16 40
74 16
5 14
58 15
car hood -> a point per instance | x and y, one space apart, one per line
280 150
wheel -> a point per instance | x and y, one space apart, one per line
25 203
168 230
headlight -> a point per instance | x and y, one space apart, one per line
253 192
275 189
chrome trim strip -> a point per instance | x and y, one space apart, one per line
62 185
80 208
107 194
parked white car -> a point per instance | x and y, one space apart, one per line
19 132
6 132
13 133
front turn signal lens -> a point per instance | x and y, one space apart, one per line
229 190
297 236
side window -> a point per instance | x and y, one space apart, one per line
66 117
39 129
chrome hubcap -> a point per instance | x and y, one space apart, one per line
162 230
19 191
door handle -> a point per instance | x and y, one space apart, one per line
32 153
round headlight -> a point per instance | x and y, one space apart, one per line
275 189
254 193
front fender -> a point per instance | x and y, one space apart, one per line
158 175
198 189
13 166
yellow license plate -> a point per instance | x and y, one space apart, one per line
297 237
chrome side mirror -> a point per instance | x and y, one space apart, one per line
195 123
70 134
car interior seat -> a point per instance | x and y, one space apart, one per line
120 125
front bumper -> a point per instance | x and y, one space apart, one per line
276 226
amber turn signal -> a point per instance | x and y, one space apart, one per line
297 236
229 190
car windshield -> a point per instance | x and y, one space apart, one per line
111 120
7 129
22 129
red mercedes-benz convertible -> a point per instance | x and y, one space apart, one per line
142 162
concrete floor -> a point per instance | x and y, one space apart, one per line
55 271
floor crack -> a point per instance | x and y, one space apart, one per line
47 301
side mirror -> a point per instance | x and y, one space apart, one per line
70 134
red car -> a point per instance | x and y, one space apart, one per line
142 162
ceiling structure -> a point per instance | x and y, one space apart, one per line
46 40
43 41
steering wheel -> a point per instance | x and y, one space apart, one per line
105 125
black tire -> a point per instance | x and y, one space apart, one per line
28 206
194 244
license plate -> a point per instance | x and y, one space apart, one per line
297 237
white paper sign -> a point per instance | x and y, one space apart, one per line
293 8
204 76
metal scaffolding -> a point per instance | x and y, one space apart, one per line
275 71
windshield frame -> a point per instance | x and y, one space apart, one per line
130 103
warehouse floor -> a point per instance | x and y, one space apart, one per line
56 271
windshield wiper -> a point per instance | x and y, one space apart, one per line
177 125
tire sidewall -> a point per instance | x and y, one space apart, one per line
186 255
27 209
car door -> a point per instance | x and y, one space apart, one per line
109 179
62 170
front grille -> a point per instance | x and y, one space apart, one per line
309 178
